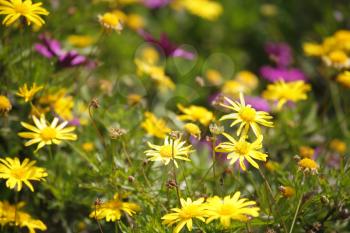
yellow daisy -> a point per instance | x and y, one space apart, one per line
45 134
196 113
155 126
112 210
183 216
13 9
247 116
242 150
283 92
16 173
5 105
170 150
308 165
28 94
231 208
111 21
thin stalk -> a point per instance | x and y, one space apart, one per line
338 110
213 143
174 172
98 223
96 128
296 214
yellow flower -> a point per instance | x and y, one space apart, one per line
287 191
112 210
283 92
28 94
272 166
247 79
337 58
154 126
45 134
206 9
195 113
157 73
172 149
338 146
81 41
16 173
135 21
308 165
149 55
344 79
247 116
111 21
13 9
193 130
313 49
183 216
231 208
134 99
5 105
242 150
88 146
306 151
60 102
232 88
214 77
12 214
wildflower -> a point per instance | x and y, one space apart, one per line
135 21
247 79
313 49
5 105
287 191
258 103
152 4
14 9
10 214
172 149
233 88
206 9
274 74
338 146
170 49
280 53
216 129
184 216
242 150
134 99
246 116
344 79
154 126
272 166
195 113
112 210
28 94
16 173
110 21
214 77
283 92
115 133
308 165
306 151
81 41
88 146
193 130
337 58
231 208
45 134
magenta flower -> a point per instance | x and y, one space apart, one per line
51 48
153 4
280 53
169 49
274 74
258 103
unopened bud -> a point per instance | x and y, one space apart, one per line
95 103
216 129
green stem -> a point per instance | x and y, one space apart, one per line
296 214
338 110
174 172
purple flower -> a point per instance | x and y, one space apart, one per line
280 53
170 49
258 103
51 48
48 47
273 74
152 4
